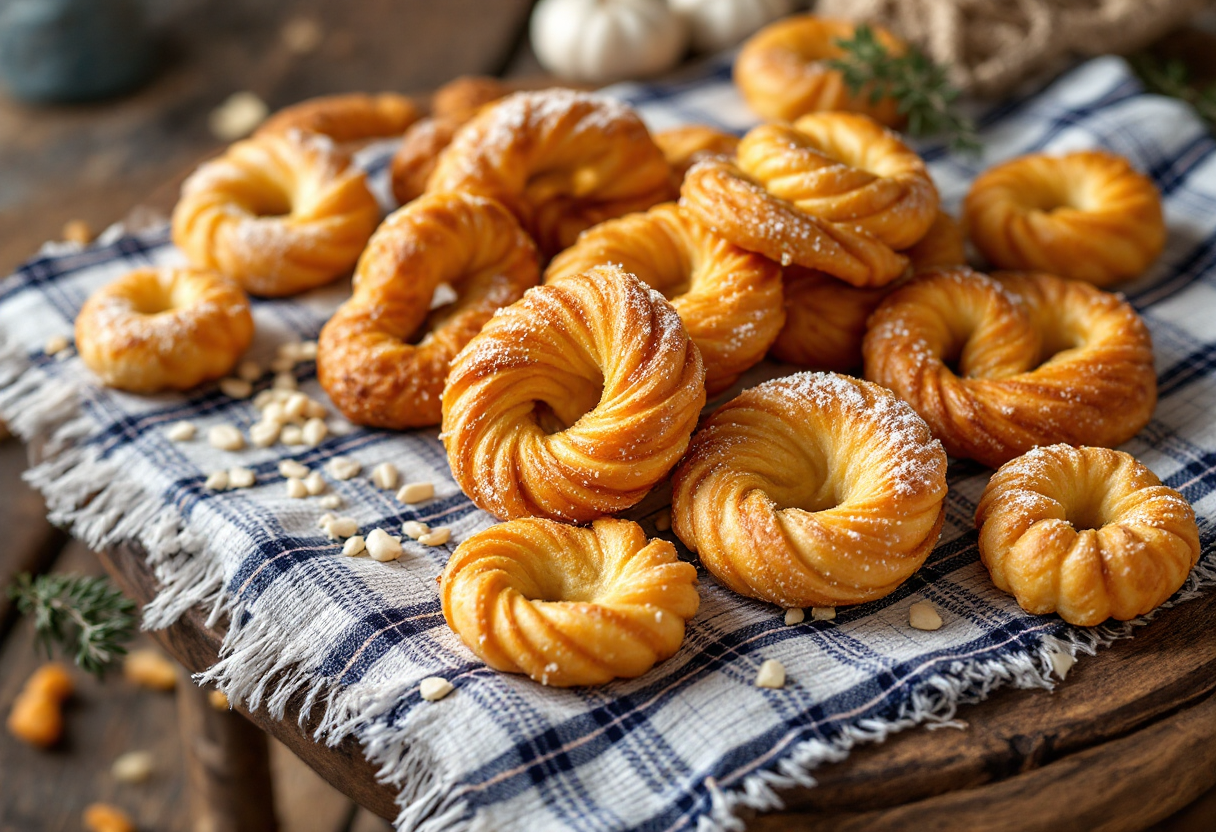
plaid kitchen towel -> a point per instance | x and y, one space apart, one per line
689 744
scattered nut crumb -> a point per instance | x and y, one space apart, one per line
291 435
237 117
316 410
288 351
248 370
302 35
78 232
823 613
354 546
308 350
264 433
794 616
149 669
340 427
434 688
294 407
343 467
263 399
55 345
296 489
218 700
275 412
236 388
1061 663
414 529
314 432
663 521
241 478
382 546
37 714
771 675
330 501
385 475
292 468
342 527
284 381
226 438
216 481
922 616
102 817
280 364
416 492
315 483
436 537
132 767
181 431
325 519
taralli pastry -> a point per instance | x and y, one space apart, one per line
454 103
568 605
825 318
164 329
782 72
385 353
684 146
1086 215
1089 533
346 119
573 402
997 365
738 208
561 160
815 489
729 299
279 213
844 168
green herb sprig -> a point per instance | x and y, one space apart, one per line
1172 78
919 87
86 617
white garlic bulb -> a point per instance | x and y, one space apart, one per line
597 41
721 24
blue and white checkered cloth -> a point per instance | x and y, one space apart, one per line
690 743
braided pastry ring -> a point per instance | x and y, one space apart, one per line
561 160
164 329
279 213
844 168
729 299
567 605
684 146
366 359
1086 532
350 118
1040 360
1086 216
573 402
815 489
734 206
781 72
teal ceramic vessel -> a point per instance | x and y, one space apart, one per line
73 50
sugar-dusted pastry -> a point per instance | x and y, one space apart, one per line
574 401
729 299
279 213
997 365
782 70
568 605
816 489
1089 533
682 146
844 168
349 118
385 353
462 97
825 318
164 329
1086 215
561 160
738 208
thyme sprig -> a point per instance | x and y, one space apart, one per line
1172 78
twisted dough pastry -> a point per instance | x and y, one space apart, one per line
1086 215
164 329
825 318
1040 360
782 75
279 213
815 489
561 160
368 358
844 168
684 146
351 118
729 299
568 606
734 206
1086 532
575 401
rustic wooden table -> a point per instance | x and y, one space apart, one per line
1126 742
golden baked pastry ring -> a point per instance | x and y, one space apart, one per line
815 489
367 358
1089 533
347 118
568 605
573 402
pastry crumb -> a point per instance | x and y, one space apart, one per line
226 438
382 546
216 481
236 388
434 688
823 613
436 537
132 767
296 489
1061 663
385 476
330 501
55 345
354 546
292 468
414 529
416 492
794 616
771 674
343 467
241 478
181 431
922 616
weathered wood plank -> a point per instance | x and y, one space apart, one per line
30 542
